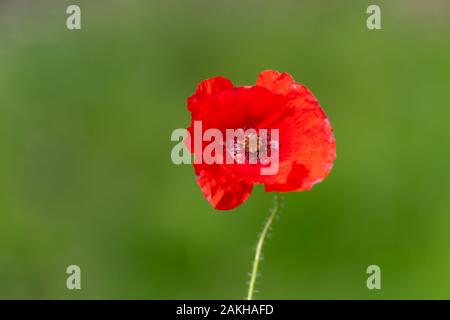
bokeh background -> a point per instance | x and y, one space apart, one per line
85 170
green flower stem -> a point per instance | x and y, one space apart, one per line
273 213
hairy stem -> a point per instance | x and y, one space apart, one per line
273 213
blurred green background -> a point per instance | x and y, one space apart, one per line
85 170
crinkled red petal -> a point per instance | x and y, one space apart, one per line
222 190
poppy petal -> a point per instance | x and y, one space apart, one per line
213 85
280 83
309 148
223 191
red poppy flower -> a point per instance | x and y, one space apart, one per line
305 144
